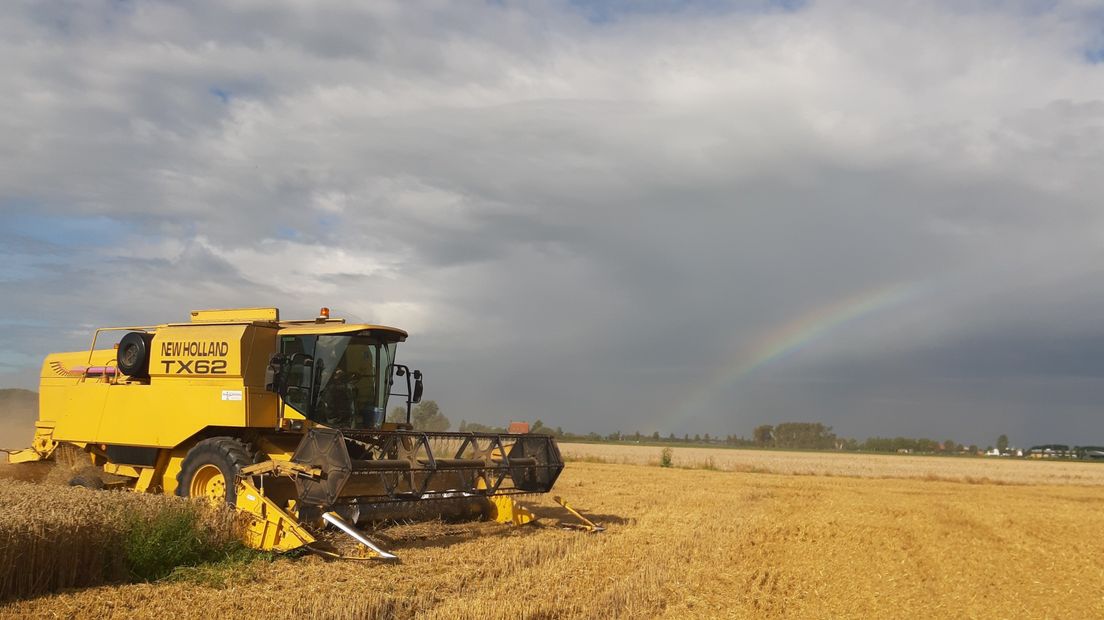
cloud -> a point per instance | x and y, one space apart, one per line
581 210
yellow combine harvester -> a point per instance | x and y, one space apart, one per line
283 419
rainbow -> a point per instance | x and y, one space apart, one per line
810 327
793 336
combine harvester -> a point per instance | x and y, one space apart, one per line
285 420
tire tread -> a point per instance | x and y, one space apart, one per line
234 450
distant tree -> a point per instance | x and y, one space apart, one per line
672 437
926 445
878 444
1002 443
655 436
903 443
697 438
973 448
427 416
476 427
949 445
398 414
804 435
763 435
686 437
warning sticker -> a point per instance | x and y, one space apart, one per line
231 395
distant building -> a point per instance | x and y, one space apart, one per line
1051 451
1062 451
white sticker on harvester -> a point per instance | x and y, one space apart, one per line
231 395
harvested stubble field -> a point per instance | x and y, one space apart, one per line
952 469
690 543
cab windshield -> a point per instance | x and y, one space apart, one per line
340 380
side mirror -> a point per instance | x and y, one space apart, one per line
276 374
416 397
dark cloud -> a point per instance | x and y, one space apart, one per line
595 214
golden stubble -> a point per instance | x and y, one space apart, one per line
691 543
977 470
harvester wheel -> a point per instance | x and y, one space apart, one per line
88 480
210 469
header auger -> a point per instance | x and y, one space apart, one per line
285 420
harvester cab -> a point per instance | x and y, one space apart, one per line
285 420
341 379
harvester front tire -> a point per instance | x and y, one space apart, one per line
211 468
88 480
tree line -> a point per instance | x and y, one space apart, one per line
559 433
427 416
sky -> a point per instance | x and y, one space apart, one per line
687 217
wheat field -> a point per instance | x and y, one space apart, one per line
687 543
53 536
954 469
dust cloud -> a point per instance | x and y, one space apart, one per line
18 411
